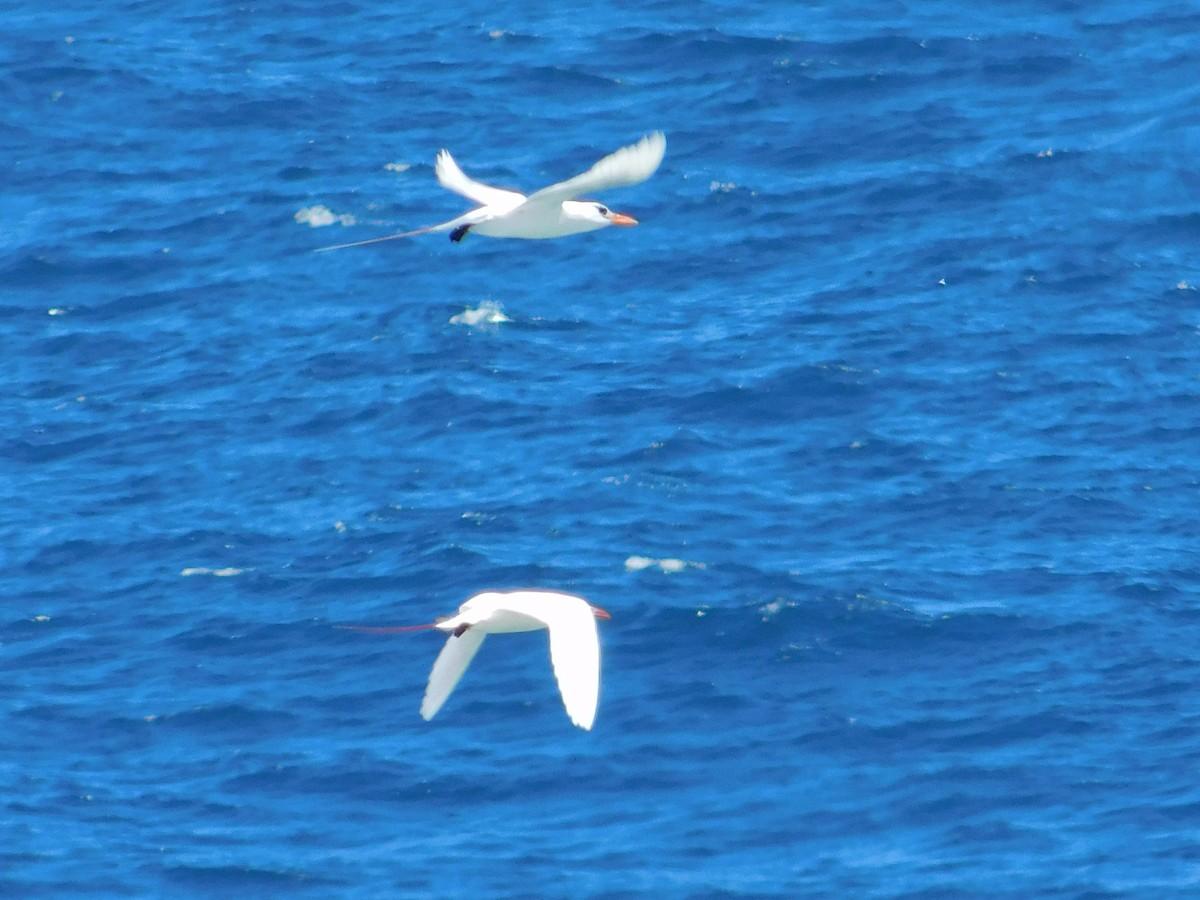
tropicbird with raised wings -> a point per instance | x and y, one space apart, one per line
549 213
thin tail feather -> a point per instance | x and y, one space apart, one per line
388 237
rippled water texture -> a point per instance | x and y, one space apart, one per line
878 438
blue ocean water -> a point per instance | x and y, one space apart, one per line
879 438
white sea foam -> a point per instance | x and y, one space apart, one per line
484 314
668 565
319 216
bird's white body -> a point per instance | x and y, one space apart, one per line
537 223
574 645
549 213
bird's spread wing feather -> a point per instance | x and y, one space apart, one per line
629 165
451 177
448 668
575 656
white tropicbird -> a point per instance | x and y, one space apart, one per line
574 644
549 213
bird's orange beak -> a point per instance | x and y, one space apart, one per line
622 219
599 613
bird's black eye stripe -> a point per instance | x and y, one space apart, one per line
603 210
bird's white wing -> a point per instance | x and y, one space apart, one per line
451 177
629 165
448 668
575 656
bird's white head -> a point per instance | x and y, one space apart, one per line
597 215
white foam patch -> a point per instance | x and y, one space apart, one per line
218 573
772 609
484 314
668 565
320 216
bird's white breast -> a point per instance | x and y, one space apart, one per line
535 222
